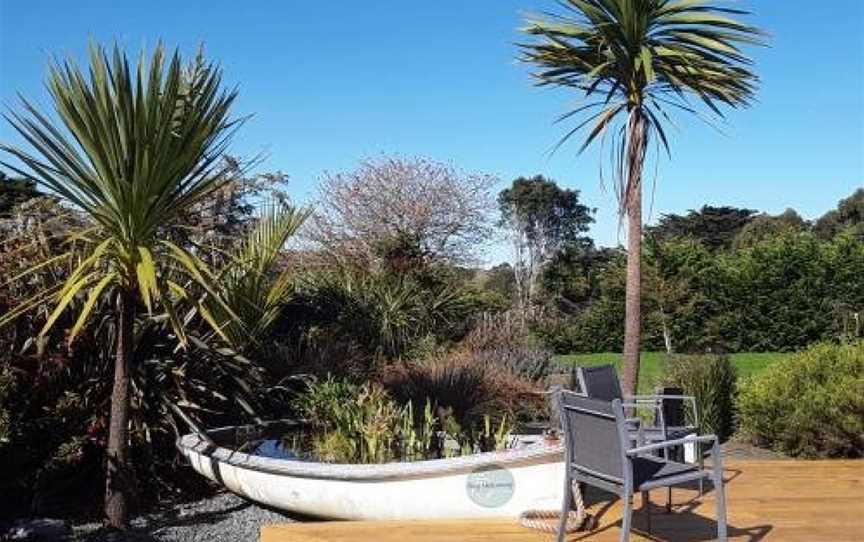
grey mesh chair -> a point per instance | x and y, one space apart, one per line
601 382
598 452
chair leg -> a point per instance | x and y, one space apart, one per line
700 456
566 504
669 500
720 492
646 510
627 518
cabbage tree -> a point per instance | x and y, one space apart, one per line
635 62
131 147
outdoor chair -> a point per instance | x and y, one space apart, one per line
601 382
669 422
599 452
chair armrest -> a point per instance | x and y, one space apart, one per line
640 450
643 399
640 404
662 397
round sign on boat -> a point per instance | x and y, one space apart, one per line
490 486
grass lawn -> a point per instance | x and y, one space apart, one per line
651 366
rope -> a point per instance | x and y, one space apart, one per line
547 521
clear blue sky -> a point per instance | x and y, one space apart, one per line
330 83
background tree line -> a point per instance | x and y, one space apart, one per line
717 279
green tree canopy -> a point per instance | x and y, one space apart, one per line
15 190
765 226
714 227
542 219
545 212
848 216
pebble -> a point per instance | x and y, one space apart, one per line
223 518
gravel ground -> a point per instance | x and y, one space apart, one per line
223 518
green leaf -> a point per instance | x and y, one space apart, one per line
67 294
145 270
647 64
92 298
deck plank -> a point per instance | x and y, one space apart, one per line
812 501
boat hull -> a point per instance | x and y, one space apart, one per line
491 485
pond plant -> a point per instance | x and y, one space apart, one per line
351 423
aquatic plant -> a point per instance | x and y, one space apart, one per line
363 424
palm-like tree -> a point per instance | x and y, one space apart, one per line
251 283
134 148
634 61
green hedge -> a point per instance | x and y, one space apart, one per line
809 405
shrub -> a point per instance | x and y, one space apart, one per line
461 386
501 340
597 328
711 379
809 405
382 315
464 390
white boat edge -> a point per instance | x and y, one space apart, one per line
489 485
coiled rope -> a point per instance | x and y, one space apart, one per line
547 521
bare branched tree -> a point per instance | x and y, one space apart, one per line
444 213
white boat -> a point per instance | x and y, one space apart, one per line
487 485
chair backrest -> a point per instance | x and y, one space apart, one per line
594 434
600 382
673 409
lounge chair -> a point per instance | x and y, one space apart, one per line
599 452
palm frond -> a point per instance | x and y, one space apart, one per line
639 53
134 148
252 285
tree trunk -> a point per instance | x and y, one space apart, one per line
118 485
633 208
667 336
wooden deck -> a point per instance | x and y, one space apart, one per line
787 501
